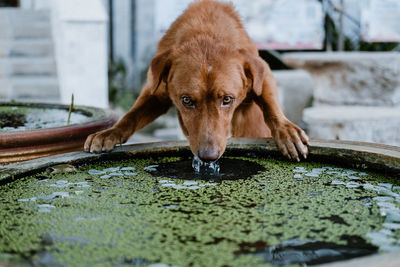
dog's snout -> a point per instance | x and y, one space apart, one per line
208 154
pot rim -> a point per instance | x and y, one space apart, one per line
383 157
33 143
93 113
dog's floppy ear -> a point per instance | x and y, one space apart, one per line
160 66
254 71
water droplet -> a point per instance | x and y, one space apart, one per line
209 184
45 208
392 226
95 172
112 169
151 168
82 184
392 216
396 188
190 183
194 187
165 181
211 168
388 205
27 199
386 185
312 174
333 172
327 168
60 194
389 248
159 265
170 206
300 171
130 173
350 172
352 185
336 182
128 169
168 185
386 232
352 177
379 238
381 199
298 176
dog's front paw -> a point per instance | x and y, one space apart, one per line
291 140
103 141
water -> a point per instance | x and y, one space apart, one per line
31 118
207 168
195 169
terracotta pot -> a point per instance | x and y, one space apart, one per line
30 144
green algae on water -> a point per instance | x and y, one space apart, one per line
117 213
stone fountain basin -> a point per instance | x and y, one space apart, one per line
371 157
33 135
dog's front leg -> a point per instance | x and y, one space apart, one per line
146 109
291 140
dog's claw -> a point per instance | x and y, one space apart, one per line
103 141
291 140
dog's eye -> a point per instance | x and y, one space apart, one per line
227 101
187 101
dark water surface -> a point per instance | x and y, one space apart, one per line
228 169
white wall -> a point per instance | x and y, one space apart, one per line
80 35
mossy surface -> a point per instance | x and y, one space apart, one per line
119 214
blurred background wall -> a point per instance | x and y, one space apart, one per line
334 60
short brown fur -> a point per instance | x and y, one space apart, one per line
205 57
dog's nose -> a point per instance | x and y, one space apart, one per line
208 154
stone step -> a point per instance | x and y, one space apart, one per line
5 23
28 66
19 23
4 68
354 123
27 48
351 78
25 16
34 87
4 87
37 30
4 49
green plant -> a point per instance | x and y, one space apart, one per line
120 95
71 107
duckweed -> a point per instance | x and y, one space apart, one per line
82 218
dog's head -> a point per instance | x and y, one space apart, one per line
207 82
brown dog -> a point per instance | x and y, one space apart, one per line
207 66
